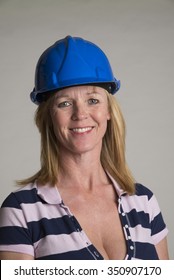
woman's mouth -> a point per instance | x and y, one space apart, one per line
81 129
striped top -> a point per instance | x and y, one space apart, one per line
35 221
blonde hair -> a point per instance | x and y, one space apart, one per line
113 150
112 153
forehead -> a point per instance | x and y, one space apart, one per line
78 90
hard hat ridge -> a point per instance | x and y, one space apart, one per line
75 69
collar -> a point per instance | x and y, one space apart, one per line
116 186
50 194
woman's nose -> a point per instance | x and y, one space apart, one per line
79 112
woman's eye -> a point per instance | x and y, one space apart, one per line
64 104
93 101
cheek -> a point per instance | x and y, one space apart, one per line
103 116
58 118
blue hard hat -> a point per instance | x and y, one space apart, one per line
72 61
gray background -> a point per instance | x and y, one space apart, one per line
138 38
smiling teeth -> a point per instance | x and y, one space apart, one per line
81 130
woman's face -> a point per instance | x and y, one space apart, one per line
79 115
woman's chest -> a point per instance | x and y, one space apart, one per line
100 222
88 236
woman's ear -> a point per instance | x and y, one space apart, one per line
108 116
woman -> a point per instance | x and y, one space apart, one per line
84 202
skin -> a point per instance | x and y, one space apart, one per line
162 249
80 107
80 115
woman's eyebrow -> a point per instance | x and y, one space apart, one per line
69 96
62 96
93 93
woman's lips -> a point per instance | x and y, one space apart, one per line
81 129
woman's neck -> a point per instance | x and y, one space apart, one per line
82 171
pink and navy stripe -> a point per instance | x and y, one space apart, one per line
35 221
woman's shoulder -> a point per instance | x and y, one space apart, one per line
141 190
26 194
